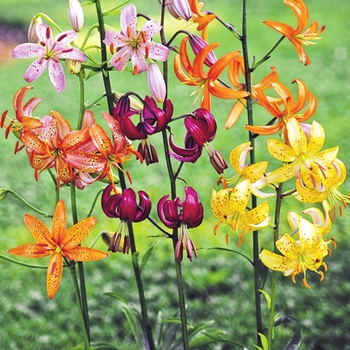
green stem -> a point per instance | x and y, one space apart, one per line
273 293
22 263
109 96
81 99
257 278
27 203
79 304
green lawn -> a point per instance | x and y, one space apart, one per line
219 285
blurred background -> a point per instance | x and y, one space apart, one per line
218 284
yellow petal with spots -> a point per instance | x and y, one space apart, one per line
239 196
288 247
277 262
281 151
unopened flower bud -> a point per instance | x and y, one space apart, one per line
32 36
179 9
73 66
135 105
75 15
197 44
156 82
3 193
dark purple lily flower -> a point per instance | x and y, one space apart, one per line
197 44
201 129
184 215
124 206
152 120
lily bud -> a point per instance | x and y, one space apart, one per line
32 35
73 66
179 9
3 193
156 82
197 44
75 15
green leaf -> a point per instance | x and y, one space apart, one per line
267 297
146 256
295 342
116 10
264 342
222 340
116 296
233 251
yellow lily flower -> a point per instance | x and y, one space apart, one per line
59 244
298 256
300 35
253 172
229 206
301 155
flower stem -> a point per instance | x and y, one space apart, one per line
273 292
109 96
248 87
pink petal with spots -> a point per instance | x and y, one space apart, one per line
71 53
56 75
138 59
35 70
128 18
65 38
151 28
43 33
157 51
28 50
121 58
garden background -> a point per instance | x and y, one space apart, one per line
218 284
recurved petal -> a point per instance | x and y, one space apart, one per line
288 247
308 195
59 222
239 196
56 75
31 250
77 233
317 138
282 28
219 203
282 174
276 262
256 171
35 70
255 218
85 254
28 50
54 274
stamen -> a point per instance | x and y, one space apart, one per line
143 35
61 37
146 51
128 31
135 70
48 31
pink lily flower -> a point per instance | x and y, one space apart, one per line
49 51
133 44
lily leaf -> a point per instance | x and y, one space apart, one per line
146 256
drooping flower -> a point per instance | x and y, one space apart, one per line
179 9
302 157
183 215
236 70
298 255
229 205
156 83
75 15
133 44
207 83
285 107
300 35
125 207
152 120
49 51
252 172
59 244
201 129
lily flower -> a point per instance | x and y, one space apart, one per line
255 173
59 244
300 35
179 9
49 51
302 157
236 70
229 205
201 129
285 107
75 15
156 83
125 207
184 215
152 120
135 45
298 256
207 83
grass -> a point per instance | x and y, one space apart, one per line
218 284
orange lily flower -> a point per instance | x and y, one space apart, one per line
60 244
285 107
192 74
236 68
300 35
202 18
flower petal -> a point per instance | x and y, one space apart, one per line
31 250
35 70
85 254
28 50
54 274
56 75
59 222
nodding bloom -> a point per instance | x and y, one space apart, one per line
229 205
298 255
255 173
32 35
207 83
132 44
58 244
300 35
236 71
152 120
285 107
49 51
201 129
302 157
184 215
124 206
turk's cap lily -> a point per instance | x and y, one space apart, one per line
124 205
75 15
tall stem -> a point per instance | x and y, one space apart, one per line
244 40
109 96
274 273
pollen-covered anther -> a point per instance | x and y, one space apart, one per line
306 284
